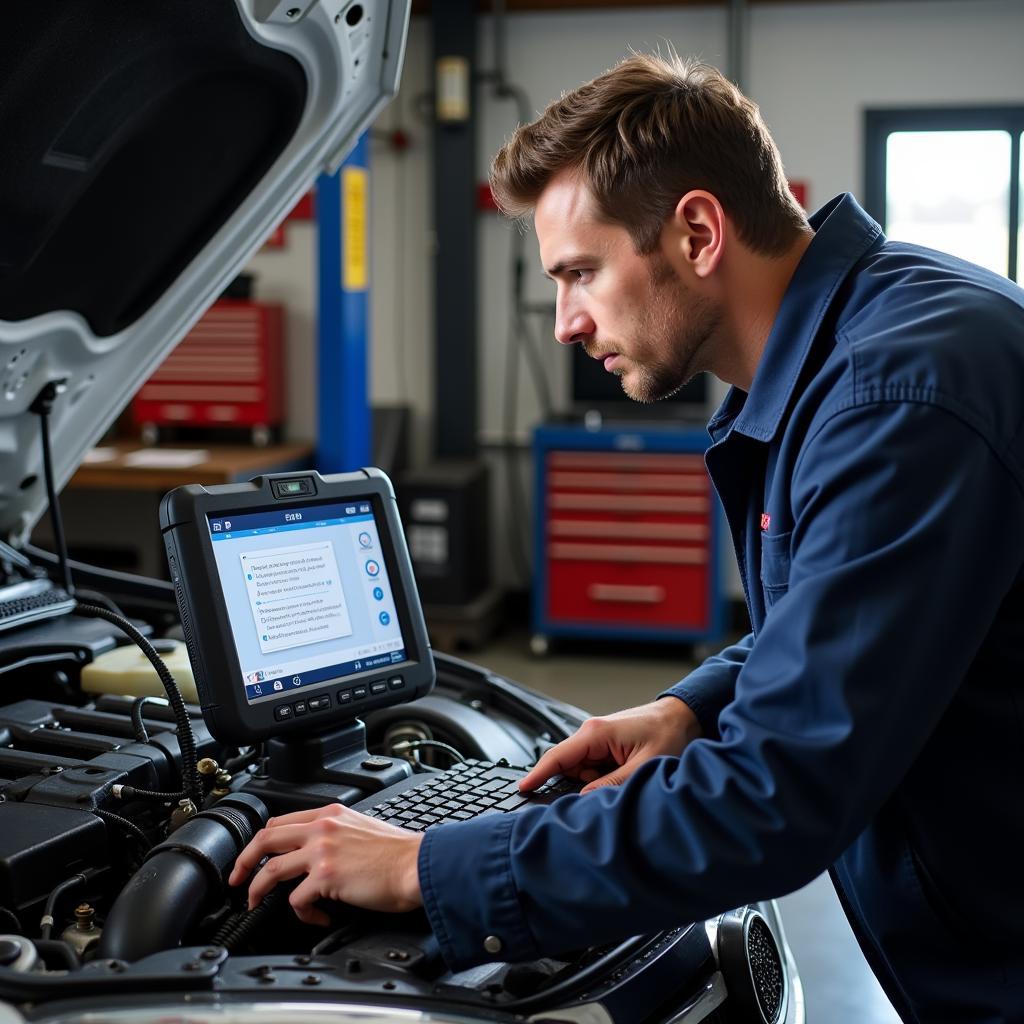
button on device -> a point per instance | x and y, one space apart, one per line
376 764
396 683
378 687
492 944
300 707
283 712
319 703
344 696
359 692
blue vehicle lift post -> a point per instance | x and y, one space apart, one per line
342 212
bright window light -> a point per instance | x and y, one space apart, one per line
950 190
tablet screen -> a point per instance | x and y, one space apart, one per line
308 595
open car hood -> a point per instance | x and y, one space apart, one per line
148 150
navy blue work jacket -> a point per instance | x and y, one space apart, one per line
873 480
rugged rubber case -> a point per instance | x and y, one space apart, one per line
204 614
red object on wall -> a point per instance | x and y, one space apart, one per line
305 208
485 198
228 371
276 239
799 190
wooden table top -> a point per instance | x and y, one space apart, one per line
222 464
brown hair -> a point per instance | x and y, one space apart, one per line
644 134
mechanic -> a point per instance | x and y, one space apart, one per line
870 459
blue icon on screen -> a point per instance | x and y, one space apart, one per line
265 637
378 593
384 618
248 575
372 568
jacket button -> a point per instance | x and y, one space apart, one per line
492 944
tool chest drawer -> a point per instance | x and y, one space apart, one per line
624 539
226 372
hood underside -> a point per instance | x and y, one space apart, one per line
149 149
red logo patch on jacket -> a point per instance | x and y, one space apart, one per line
766 521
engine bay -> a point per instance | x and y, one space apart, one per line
113 878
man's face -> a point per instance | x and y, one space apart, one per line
630 311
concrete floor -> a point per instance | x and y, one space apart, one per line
838 985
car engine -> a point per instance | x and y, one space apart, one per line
112 877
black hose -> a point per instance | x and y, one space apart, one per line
186 740
141 733
240 927
236 764
166 897
565 988
403 745
46 924
132 793
42 406
98 598
60 950
129 826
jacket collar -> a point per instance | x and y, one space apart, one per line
843 234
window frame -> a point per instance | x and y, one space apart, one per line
879 124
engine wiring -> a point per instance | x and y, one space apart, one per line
192 786
402 747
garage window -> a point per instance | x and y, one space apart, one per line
950 179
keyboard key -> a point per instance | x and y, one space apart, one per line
510 803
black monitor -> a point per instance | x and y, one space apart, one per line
298 602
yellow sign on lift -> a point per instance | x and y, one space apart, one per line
355 274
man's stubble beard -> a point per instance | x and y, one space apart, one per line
680 324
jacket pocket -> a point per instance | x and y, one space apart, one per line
775 556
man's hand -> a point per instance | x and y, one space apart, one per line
345 856
606 751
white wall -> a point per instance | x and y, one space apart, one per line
813 68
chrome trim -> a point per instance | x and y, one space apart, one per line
587 1013
704 1005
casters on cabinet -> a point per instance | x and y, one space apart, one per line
261 436
149 434
539 645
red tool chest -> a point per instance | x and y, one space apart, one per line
228 371
626 539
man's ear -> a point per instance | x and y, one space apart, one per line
699 223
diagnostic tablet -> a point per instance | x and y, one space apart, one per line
297 599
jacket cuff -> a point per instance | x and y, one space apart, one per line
469 892
704 705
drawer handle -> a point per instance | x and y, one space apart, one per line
616 529
632 504
629 595
634 553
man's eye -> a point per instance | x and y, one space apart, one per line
583 275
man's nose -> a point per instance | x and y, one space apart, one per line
573 326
